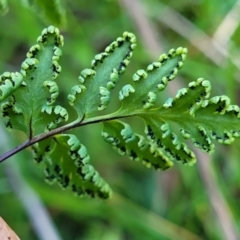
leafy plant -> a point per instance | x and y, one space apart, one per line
29 98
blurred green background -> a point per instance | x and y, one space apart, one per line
199 202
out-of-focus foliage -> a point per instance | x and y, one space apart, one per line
177 195
3 7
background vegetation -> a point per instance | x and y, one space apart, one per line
199 202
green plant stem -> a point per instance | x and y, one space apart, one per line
72 125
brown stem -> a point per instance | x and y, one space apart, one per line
65 128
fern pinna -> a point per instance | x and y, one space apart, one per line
28 104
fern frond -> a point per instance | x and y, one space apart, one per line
190 115
29 97
138 148
141 93
93 92
30 108
67 163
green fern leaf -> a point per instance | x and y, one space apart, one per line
93 92
190 115
30 108
138 148
67 162
142 93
